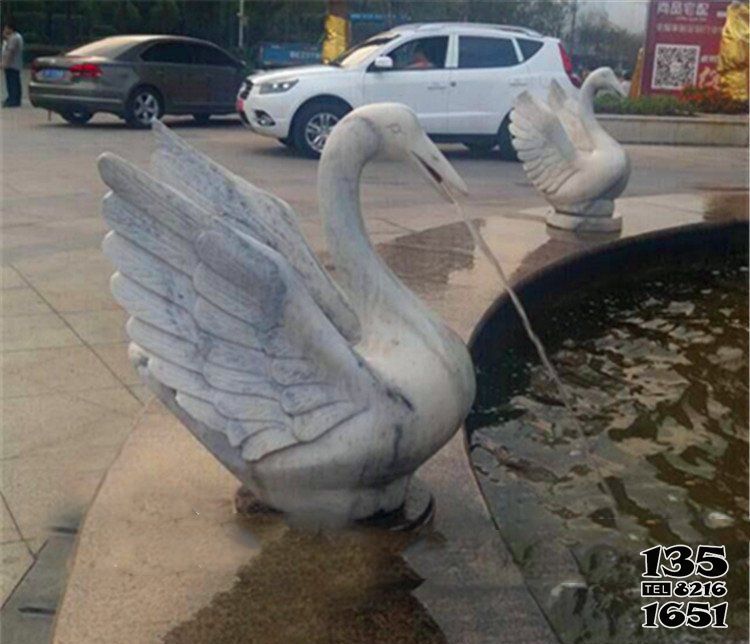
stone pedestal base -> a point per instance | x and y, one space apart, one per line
580 223
248 505
417 510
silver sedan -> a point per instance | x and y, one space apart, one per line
139 78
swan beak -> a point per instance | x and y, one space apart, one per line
436 168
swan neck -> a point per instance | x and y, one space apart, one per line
588 93
359 268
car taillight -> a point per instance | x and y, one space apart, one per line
85 70
568 66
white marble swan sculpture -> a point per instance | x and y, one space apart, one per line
568 156
319 399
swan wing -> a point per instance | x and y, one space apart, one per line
223 326
567 110
542 144
265 217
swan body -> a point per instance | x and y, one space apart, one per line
566 154
320 398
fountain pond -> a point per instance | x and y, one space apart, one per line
650 337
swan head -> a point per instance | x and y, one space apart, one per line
604 78
399 136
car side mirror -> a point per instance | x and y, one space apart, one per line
383 62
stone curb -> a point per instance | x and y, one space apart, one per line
711 130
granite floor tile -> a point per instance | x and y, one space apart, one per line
54 488
10 278
98 327
43 331
22 301
72 264
29 614
48 371
115 356
34 425
8 530
15 560
76 280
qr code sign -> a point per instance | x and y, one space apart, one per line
675 66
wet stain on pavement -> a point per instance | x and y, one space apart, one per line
425 260
338 588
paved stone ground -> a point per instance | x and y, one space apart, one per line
69 396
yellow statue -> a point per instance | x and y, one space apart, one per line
733 53
336 40
637 78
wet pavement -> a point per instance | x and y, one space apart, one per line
71 399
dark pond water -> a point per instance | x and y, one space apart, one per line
658 369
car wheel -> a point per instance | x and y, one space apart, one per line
505 142
481 148
77 117
202 119
313 125
144 107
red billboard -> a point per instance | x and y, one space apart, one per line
682 44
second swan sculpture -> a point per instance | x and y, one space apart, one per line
319 398
569 157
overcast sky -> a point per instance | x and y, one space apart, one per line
630 14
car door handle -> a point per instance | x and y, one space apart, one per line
437 86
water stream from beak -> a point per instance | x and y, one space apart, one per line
541 351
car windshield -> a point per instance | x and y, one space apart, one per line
358 53
106 48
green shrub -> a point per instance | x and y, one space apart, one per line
643 105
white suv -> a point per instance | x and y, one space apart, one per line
460 78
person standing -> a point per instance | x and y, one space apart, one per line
12 58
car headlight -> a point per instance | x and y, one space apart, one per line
278 87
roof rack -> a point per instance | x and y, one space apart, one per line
481 25
520 30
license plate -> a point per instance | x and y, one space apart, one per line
51 74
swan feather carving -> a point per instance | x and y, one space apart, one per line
298 386
578 167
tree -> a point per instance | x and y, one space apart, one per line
164 17
549 17
599 42
127 18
